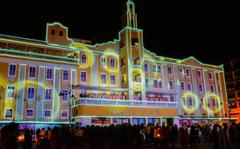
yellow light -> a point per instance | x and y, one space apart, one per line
211 96
190 109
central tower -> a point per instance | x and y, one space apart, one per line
131 55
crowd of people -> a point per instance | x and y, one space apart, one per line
122 136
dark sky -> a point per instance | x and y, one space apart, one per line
208 31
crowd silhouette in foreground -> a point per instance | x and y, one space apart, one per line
122 136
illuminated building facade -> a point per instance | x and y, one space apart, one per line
232 74
115 82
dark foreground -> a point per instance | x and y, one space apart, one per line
123 137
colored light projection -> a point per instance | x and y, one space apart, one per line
206 105
108 54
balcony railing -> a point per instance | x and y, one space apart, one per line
116 102
36 56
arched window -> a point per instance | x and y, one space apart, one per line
60 33
53 32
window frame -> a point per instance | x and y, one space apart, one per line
29 72
50 95
13 91
44 112
85 77
51 73
64 79
5 112
66 116
33 92
103 74
27 113
114 79
9 70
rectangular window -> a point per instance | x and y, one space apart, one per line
64 114
155 84
145 67
190 101
146 82
172 99
182 85
65 95
103 61
159 69
32 71
160 84
184 100
12 70
49 74
29 113
213 102
103 79
189 86
48 94
181 71
83 58
31 93
65 75
113 79
212 88
10 91
169 70
154 69
199 74
83 76
187 72
112 62
170 83
210 75
47 113
9 113
200 87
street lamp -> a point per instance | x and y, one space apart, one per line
70 96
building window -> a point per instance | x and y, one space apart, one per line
10 91
83 76
172 99
9 113
65 75
49 73
181 71
187 72
61 33
169 70
160 84
113 79
159 69
210 75
103 79
189 86
190 101
154 68
212 88
182 85
183 100
64 114
112 62
200 87
31 93
170 85
12 69
155 83
103 61
199 74
65 95
47 113
83 58
213 102
146 82
145 67
53 32
32 71
48 94
29 113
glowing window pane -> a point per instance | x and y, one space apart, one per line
84 58
112 62
32 71
30 93
113 79
145 67
48 94
103 78
29 112
154 69
47 113
159 69
10 92
49 73
83 77
65 94
155 83
9 113
160 84
65 74
169 70
12 70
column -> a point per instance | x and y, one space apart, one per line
195 91
21 92
177 89
56 98
206 89
40 93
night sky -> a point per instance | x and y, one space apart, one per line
178 29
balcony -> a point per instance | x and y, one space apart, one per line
36 56
116 102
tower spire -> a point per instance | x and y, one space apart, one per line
131 15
